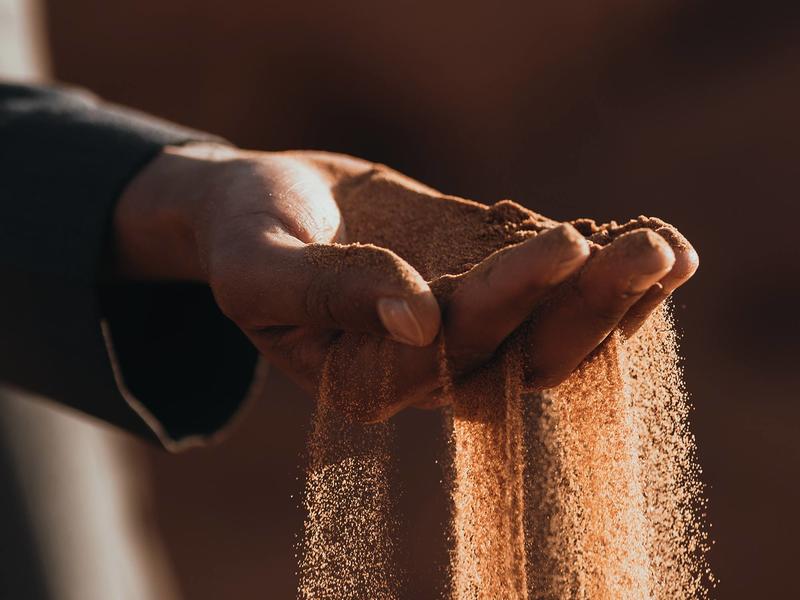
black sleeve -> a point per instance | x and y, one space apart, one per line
158 360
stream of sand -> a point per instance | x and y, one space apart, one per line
589 490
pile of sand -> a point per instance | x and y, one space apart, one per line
589 490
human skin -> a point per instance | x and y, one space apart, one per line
241 222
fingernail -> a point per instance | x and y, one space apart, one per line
400 322
649 256
571 250
639 284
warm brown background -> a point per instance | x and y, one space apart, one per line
686 109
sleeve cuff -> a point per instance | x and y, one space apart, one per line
180 364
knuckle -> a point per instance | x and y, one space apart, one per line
303 356
318 301
606 310
606 316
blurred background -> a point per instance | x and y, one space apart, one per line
687 110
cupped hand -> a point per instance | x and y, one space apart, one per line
304 251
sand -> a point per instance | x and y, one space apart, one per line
348 541
589 490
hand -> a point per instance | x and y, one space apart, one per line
258 228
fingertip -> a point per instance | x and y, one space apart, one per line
687 260
568 251
422 304
636 260
399 320
569 237
426 307
413 320
650 252
575 247
691 262
654 259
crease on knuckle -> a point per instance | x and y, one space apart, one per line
606 316
318 300
605 311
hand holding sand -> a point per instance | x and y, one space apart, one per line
304 250
377 292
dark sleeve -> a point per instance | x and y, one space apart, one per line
158 360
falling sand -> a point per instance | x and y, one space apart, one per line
347 548
589 490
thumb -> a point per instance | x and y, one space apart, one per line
351 287
362 287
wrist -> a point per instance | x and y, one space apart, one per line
157 218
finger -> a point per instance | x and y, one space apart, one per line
686 263
352 287
492 301
606 233
563 333
500 293
298 352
